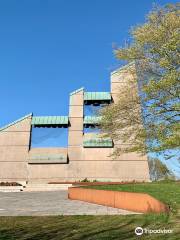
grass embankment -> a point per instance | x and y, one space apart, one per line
165 191
100 227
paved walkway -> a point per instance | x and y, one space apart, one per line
50 203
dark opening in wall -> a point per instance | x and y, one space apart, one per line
90 110
92 130
49 137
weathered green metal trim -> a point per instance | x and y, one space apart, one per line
98 142
50 120
92 119
90 96
48 158
76 91
123 67
18 120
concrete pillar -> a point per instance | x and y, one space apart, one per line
119 81
75 135
120 78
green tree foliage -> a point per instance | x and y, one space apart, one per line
149 120
158 170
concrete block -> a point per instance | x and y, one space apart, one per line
76 124
75 138
76 111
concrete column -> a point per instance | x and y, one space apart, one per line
76 113
120 78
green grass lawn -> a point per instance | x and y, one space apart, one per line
166 191
100 227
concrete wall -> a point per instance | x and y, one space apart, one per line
48 171
14 146
119 80
91 163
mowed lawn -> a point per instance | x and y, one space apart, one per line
101 227
166 191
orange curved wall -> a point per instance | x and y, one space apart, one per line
137 202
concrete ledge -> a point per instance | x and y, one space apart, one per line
136 202
46 161
11 188
42 187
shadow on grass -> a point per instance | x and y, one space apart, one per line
82 227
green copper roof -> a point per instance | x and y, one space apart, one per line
92 119
50 120
48 158
19 120
98 142
97 96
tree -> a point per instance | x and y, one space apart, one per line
148 118
158 170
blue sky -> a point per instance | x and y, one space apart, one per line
50 48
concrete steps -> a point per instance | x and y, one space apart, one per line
40 187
